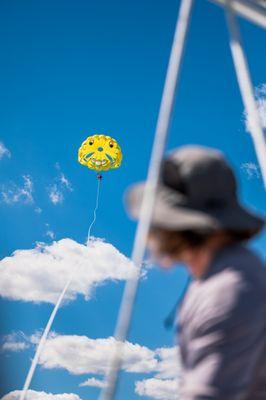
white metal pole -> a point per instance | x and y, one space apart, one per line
246 89
161 133
252 11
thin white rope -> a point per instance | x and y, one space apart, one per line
161 133
43 340
95 209
47 329
246 90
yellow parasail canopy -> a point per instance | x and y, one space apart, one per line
100 153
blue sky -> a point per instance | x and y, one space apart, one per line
71 69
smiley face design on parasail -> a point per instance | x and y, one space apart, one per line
100 153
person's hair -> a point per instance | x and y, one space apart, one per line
172 243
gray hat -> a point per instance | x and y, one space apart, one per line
197 191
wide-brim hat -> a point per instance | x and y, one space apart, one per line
197 190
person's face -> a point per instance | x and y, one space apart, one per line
188 256
165 261
196 259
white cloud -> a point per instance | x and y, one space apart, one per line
4 151
260 94
82 355
13 193
39 274
161 389
251 170
92 382
59 187
164 385
33 395
65 182
169 362
15 342
36 337
49 232
14 346
55 194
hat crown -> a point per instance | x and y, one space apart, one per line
197 191
202 175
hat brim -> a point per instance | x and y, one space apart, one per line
174 216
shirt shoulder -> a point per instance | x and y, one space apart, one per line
234 286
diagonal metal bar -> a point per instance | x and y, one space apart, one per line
252 10
161 134
246 89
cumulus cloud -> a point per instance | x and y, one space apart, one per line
55 194
93 382
36 337
49 233
82 355
4 152
15 342
79 355
169 362
13 193
61 185
39 274
161 389
14 346
33 395
164 384
251 170
65 182
260 94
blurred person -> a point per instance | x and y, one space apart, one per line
199 221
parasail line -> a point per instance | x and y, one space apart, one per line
99 179
166 109
47 329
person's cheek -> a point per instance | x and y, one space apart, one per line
166 262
